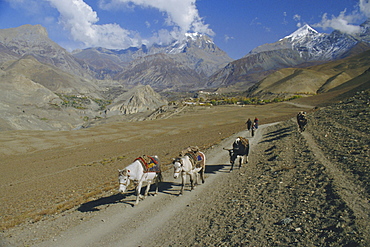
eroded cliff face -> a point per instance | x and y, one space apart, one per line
139 99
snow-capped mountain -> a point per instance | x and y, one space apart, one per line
313 45
295 40
196 51
197 39
364 34
304 46
303 32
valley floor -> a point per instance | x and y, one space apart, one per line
298 189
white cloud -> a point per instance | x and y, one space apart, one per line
345 22
284 19
341 23
297 18
227 38
80 19
163 37
255 22
179 13
365 7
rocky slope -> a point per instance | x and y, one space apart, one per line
243 73
43 87
161 72
51 77
34 40
37 96
139 99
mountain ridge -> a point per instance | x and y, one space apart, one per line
197 52
302 47
34 40
79 87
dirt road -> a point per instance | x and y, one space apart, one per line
122 224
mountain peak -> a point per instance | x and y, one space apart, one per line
28 33
193 36
198 38
301 32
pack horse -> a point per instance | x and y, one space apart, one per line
301 120
240 149
190 162
145 169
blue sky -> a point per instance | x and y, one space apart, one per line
236 26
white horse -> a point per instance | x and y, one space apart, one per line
185 166
136 173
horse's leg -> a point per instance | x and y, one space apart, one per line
138 190
196 177
147 189
232 166
156 185
183 178
191 180
241 160
202 174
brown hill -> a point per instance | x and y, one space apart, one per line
27 105
312 80
51 77
28 39
39 96
247 71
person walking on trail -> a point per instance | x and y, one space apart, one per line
249 124
255 125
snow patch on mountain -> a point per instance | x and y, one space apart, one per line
302 32
196 39
313 45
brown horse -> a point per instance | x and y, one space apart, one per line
301 120
241 149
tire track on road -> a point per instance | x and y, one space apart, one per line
347 190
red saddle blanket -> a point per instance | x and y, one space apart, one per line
150 164
196 158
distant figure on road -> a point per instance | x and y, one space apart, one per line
249 124
255 125
301 120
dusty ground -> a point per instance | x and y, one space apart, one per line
299 189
